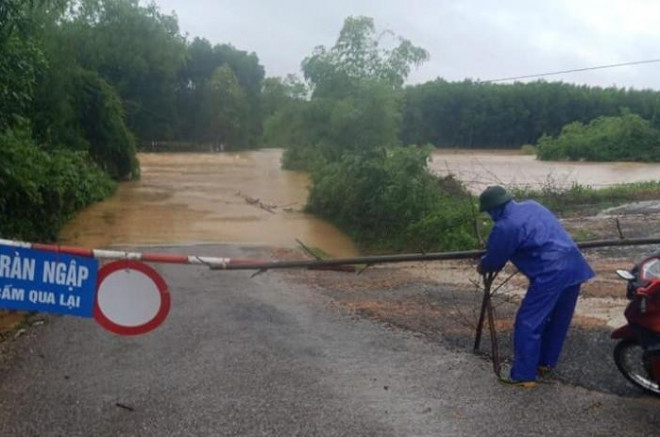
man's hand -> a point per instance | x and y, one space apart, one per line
480 268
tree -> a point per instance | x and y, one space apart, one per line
101 119
138 50
347 137
277 93
473 114
354 105
42 183
224 108
359 55
203 60
21 57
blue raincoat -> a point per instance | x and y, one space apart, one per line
529 235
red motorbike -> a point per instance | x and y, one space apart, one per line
637 355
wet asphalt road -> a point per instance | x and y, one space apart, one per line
260 357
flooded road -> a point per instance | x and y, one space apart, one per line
479 169
201 197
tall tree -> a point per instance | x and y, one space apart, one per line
224 108
139 51
360 53
355 85
21 57
203 60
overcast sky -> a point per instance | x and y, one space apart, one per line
478 39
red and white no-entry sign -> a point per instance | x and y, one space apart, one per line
131 298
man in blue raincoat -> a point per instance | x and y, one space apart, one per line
529 235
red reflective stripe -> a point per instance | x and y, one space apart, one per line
164 258
78 251
146 257
69 250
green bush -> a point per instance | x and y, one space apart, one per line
627 137
101 120
81 111
39 191
391 202
361 123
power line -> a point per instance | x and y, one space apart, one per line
600 67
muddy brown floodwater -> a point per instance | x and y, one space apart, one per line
479 168
201 197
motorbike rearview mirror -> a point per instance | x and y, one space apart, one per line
625 274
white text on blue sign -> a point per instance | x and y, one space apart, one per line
32 280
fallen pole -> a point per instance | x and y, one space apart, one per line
433 256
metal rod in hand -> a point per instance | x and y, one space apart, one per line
493 335
480 323
488 282
487 310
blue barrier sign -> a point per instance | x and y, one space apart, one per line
31 280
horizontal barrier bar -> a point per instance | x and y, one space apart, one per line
434 256
342 264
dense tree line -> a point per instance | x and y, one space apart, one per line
58 54
465 114
52 152
476 115
171 88
83 82
219 96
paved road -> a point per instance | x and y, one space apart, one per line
261 357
